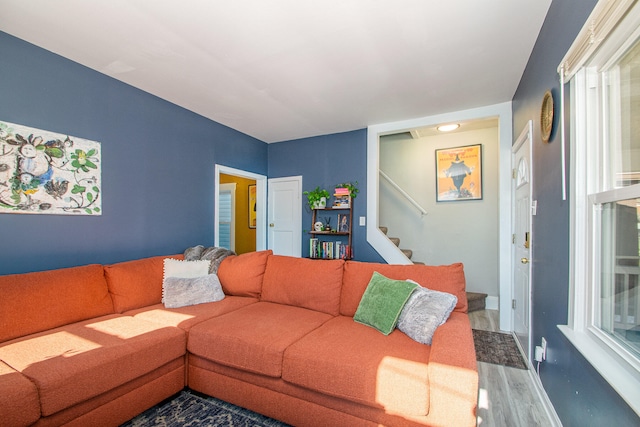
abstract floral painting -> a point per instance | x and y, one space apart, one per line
43 172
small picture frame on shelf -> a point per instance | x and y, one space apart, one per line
343 224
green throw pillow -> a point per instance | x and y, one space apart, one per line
382 302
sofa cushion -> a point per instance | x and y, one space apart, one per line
313 284
19 404
137 283
351 361
185 317
444 278
77 362
382 302
424 312
34 302
241 275
254 337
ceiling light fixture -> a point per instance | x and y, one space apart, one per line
448 128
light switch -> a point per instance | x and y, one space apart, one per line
363 220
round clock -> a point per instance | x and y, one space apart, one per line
546 116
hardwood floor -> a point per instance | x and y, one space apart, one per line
507 396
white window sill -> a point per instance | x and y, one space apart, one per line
622 376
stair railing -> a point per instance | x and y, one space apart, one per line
404 194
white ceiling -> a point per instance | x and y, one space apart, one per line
286 69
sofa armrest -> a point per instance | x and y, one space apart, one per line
453 373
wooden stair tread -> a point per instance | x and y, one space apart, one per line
407 252
476 301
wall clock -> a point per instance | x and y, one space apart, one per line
546 116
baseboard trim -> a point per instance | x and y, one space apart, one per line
554 420
548 406
492 303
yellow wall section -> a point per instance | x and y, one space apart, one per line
245 236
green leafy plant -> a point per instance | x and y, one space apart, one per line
314 196
353 188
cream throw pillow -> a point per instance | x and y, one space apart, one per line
184 269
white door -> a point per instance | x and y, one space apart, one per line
285 216
522 239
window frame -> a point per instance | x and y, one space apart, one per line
611 29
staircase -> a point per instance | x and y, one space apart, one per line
396 241
475 300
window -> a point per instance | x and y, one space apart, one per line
227 216
603 66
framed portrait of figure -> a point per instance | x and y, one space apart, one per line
459 173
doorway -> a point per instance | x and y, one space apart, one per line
237 209
381 243
255 239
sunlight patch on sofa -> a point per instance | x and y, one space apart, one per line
165 317
23 354
403 385
123 327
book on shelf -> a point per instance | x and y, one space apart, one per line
342 191
341 201
313 247
328 250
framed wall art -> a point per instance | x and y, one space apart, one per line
459 173
43 172
252 206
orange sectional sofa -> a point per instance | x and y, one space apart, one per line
94 345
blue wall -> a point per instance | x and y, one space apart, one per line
157 164
326 161
579 394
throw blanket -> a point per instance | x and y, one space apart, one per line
213 253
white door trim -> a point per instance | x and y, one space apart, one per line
261 199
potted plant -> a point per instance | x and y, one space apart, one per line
353 188
317 198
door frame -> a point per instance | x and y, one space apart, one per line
261 199
525 135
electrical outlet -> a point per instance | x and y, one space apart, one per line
544 348
538 355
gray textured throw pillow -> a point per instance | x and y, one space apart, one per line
193 253
214 254
424 312
181 292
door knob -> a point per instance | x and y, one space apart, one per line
272 225
524 260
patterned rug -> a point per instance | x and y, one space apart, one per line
192 409
497 348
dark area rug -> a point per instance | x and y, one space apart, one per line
497 348
193 409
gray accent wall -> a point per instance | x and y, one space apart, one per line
581 397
